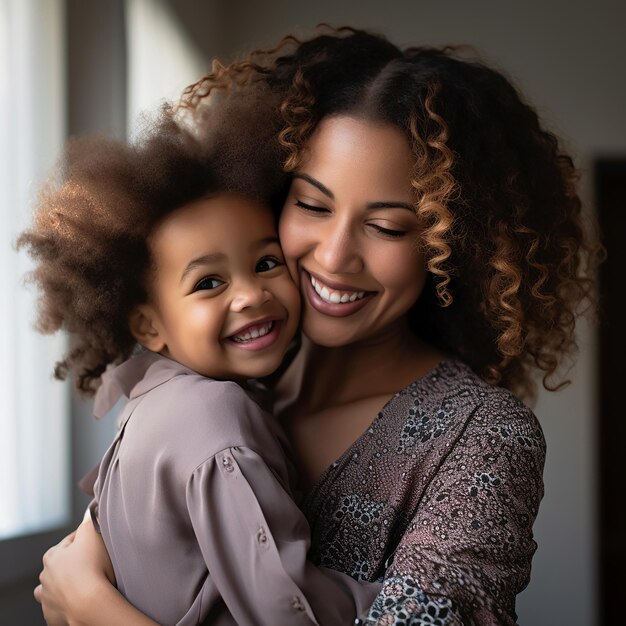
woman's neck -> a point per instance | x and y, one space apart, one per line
382 365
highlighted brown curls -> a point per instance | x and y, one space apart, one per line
511 264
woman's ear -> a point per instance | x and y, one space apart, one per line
143 325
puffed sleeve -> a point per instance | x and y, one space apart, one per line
467 551
255 542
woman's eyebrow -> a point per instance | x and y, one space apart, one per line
316 183
372 205
391 205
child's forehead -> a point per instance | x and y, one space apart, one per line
225 208
219 222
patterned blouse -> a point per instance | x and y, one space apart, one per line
437 500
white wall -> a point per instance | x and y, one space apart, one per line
568 58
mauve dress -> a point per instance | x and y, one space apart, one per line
437 499
192 500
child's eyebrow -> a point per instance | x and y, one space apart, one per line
267 240
205 259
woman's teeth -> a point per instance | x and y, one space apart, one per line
254 332
335 297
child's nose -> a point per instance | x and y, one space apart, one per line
250 294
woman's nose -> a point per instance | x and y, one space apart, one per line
249 294
338 251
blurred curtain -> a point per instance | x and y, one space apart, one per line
162 59
34 416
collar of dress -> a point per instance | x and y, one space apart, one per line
134 377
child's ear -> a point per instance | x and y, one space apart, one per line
144 328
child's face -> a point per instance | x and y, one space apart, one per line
221 300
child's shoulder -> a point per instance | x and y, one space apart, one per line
196 393
209 414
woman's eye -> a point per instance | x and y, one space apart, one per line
389 232
208 282
267 263
311 207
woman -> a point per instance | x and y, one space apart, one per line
436 232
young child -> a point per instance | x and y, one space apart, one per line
144 245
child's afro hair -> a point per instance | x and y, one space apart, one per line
91 224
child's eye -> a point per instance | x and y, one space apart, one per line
267 263
208 282
311 207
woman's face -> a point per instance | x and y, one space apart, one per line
349 230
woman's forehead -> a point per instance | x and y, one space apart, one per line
346 151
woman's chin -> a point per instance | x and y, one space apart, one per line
329 335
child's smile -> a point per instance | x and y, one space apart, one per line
258 335
221 300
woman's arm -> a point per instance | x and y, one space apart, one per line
467 552
76 585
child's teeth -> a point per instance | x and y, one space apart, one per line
255 333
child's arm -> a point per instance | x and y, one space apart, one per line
76 587
255 541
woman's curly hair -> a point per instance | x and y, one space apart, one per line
91 225
510 262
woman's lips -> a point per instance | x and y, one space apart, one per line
333 309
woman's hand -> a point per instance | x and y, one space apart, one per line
74 570
78 585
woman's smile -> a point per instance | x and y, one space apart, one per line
332 299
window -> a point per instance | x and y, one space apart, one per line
162 59
35 483
34 441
